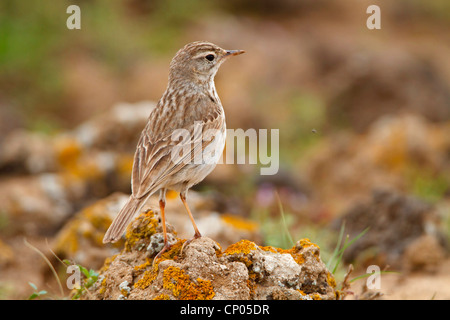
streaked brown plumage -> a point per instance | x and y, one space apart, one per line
189 101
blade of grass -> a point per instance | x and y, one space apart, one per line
338 245
287 233
48 263
346 245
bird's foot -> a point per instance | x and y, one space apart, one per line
196 236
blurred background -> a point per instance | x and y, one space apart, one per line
363 117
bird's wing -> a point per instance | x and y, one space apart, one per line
156 160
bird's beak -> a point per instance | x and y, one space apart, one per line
233 53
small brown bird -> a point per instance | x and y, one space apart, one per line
190 110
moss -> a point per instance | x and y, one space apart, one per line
176 280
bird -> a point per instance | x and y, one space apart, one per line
183 139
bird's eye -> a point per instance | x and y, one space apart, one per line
210 57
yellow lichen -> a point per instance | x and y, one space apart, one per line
143 266
68 151
174 251
146 280
107 263
125 165
176 280
239 223
143 227
243 246
269 248
90 224
305 243
162 297
331 280
6 253
316 296
102 289
218 250
74 163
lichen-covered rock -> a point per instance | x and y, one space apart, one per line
405 152
202 270
51 176
80 240
401 231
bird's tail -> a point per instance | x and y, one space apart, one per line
122 220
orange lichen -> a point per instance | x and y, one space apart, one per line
269 248
143 227
331 280
316 296
162 297
297 256
102 289
176 280
239 223
76 164
68 151
147 279
305 243
125 165
174 251
143 266
243 246
90 224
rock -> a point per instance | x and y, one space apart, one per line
384 82
80 240
6 254
224 227
425 253
51 177
397 151
402 229
91 143
204 271
36 205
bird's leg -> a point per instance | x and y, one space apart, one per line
162 205
197 233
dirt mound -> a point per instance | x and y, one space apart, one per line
202 270
403 232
